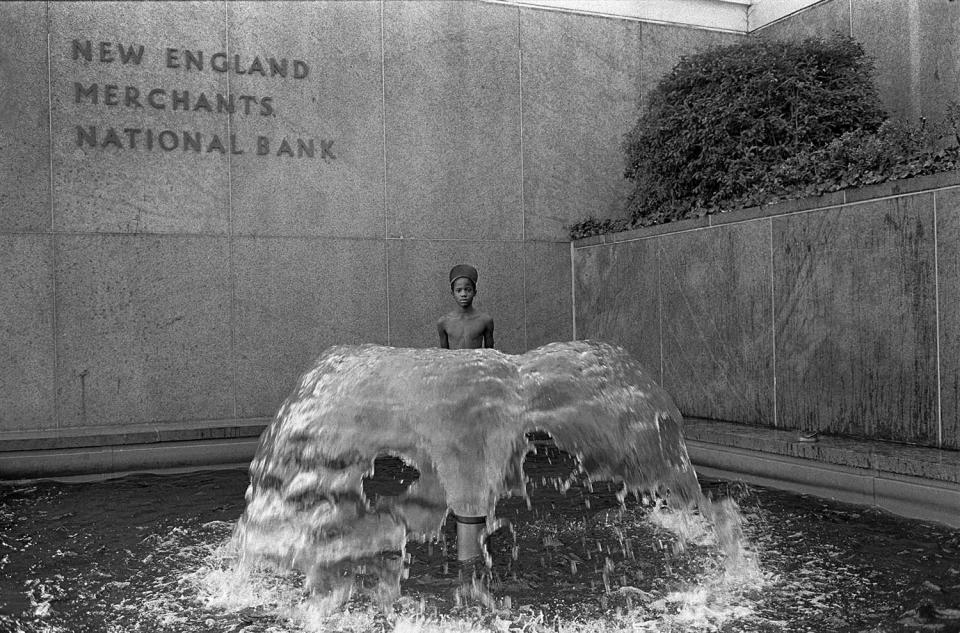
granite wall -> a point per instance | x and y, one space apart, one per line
834 314
913 42
197 198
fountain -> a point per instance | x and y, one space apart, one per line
461 418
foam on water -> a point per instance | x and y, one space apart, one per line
461 418
721 594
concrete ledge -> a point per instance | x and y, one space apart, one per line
912 497
918 498
885 457
131 434
104 460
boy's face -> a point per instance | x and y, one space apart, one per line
463 291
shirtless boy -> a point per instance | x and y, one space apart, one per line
466 327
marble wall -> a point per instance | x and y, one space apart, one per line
840 319
912 42
197 198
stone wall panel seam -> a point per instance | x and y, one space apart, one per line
659 253
383 136
231 245
53 320
523 217
936 292
573 292
773 322
49 118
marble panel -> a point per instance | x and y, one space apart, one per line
580 93
24 118
452 94
618 298
139 145
855 320
143 329
914 44
948 284
313 162
419 289
295 298
937 77
717 322
549 310
26 333
823 19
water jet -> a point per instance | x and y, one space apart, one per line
461 418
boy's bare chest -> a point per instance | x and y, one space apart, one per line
467 323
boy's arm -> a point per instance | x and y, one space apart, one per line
488 335
442 332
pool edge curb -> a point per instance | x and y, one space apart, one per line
911 497
111 461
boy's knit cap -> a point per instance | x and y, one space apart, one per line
463 270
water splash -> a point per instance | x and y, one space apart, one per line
461 418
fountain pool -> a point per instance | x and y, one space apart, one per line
145 553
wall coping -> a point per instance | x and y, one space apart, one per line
889 189
102 436
730 16
876 456
912 481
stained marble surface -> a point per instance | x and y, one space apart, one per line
618 299
948 288
547 293
717 334
143 329
855 301
917 60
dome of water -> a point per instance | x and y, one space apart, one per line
461 418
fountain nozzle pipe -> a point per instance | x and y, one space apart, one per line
469 531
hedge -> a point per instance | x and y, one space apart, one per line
765 120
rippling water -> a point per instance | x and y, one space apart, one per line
151 553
